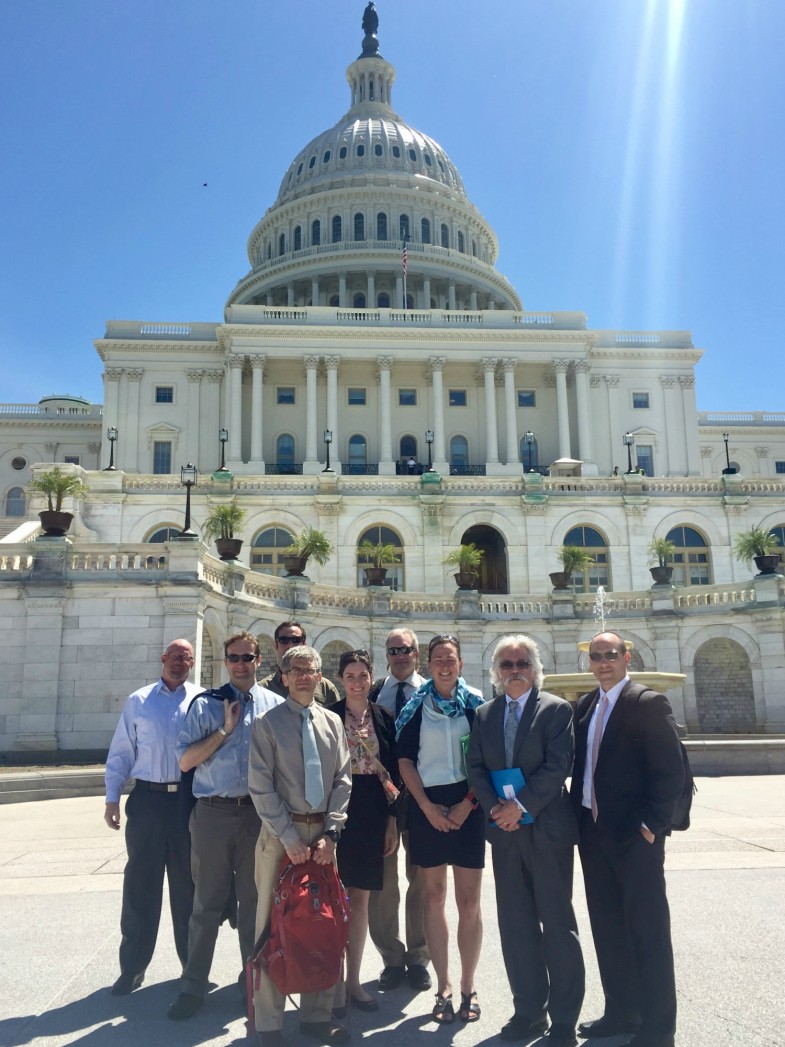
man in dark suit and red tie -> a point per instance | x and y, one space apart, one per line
520 754
627 778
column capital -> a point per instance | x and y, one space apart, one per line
134 373
686 381
194 375
384 363
611 380
436 363
114 374
508 364
560 366
236 362
667 381
582 366
214 375
332 363
258 361
311 362
489 364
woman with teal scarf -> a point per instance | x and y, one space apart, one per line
445 823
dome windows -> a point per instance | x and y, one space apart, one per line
396 152
298 238
425 231
326 157
299 169
461 244
342 152
381 226
359 226
312 163
378 149
360 150
427 159
413 156
404 227
445 235
337 231
316 232
281 244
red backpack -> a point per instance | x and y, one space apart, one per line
309 929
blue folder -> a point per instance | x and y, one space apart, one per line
510 776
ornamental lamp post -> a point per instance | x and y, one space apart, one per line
327 436
188 475
628 440
728 470
528 439
223 436
111 435
429 442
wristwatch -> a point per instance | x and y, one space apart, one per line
331 834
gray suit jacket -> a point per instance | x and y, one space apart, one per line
543 751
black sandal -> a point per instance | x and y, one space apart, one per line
470 1009
443 1012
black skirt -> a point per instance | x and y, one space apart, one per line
429 848
360 853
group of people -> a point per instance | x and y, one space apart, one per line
283 771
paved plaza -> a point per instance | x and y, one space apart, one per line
60 882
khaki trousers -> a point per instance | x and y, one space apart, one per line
383 919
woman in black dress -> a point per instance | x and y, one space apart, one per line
371 830
445 822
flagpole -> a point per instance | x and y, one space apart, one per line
404 264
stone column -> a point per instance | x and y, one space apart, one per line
510 411
235 419
451 295
491 435
440 463
311 460
370 297
193 417
669 457
257 424
315 291
342 303
130 437
615 446
209 448
690 413
582 368
112 376
560 368
290 295
399 292
332 363
386 462
426 292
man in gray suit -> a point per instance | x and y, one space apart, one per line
532 830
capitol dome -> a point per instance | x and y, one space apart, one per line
352 196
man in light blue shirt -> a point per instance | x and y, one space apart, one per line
156 835
214 743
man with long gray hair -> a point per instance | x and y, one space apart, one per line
520 754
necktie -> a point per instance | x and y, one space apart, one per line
510 730
314 785
599 727
247 696
400 699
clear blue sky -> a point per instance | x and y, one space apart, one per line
628 153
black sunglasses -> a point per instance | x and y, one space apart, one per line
234 658
508 664
290 639
443 638
604 656
408 649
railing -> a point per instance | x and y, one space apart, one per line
293 469
714 596
741 417
93 412
360 470
467 470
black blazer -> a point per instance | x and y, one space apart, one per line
639 773
384 725
543 751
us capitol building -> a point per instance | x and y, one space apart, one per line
447 414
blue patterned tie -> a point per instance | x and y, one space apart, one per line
314 785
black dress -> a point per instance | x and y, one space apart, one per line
360 852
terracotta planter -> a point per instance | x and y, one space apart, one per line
661 575
768 564
295 565
228 548
375 575
55 524
561 580
466 579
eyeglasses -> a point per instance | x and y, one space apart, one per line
353 656
297 670
604 656
443 638
408 649
235 658
290 639
508 664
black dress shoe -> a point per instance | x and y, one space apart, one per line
522 1027
561 1035
362 1005
391 978
185 1006
126 983
325 1032
418 978
607 1026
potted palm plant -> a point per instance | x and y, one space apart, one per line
573 558
307 543
467 558
378 556
759 545
661 550
221 524
56 485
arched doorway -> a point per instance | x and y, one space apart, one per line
493 570
723 688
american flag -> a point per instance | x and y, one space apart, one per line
405 258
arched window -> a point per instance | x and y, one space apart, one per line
383 300
267 550
381 226
403 227
298 238
284 450
337 229
595 545
425 231
316 232
269 250
163 533
15 502
359 226
408 449
459 452
381 535
445 235
410 301
461 245
358 302
692 559
281 244
358 452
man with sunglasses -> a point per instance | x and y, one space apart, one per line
627 777
409 961
286 636
215 742
525 734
